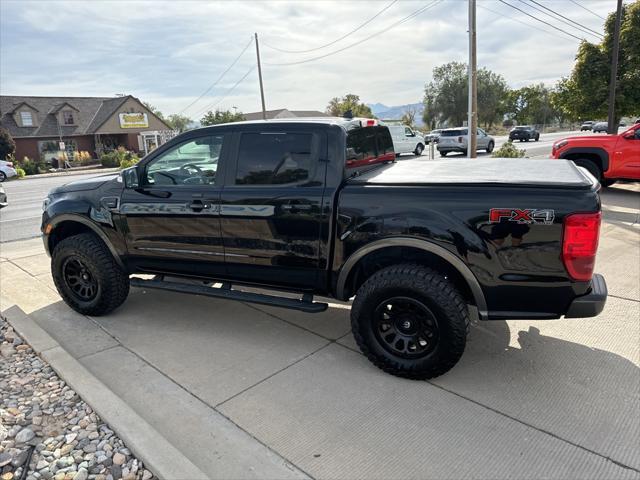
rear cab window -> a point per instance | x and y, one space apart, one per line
369 145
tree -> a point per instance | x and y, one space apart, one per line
339 106
446 97
584 95
7 144
409 117
221 116
531 105
156 112
178 122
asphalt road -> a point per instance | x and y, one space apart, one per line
21 218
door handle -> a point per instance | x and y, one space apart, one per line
197 205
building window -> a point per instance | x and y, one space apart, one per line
67 117
26 119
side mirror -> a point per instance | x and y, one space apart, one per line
130 177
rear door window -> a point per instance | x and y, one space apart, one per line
369 145
454 133
276 158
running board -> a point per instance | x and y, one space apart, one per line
305 304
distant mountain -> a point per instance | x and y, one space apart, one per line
385 112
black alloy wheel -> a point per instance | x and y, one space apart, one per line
79 279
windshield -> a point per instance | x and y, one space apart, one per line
522 128
454 133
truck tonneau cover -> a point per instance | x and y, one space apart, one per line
545 172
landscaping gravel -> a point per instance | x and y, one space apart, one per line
46 430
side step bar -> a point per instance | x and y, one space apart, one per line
305 304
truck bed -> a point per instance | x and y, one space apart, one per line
510 171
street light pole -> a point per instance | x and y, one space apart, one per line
264 110
612 124
472 121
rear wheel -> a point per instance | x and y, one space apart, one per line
537 137
3 176
87 276
409 321
419 149
490 147
443 154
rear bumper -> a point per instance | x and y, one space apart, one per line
452 148
591 304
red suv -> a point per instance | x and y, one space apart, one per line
608 158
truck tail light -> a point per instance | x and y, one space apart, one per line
580 244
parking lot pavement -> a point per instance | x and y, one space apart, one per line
247 390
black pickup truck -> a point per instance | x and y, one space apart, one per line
320 207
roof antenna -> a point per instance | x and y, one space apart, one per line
348 114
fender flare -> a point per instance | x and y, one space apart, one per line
454 261
71 217
602 154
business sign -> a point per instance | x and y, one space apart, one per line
133 120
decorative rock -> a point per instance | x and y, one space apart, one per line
147 475
42 464
7 476
5 459
70 437
20 458
119 459
81 475
24 435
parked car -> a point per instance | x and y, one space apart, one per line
3 197
588 125
600 127
456 140
405 140
524 133
320 207
608 158
432 136
6 170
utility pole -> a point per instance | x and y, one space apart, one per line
612 124
472 122
264 110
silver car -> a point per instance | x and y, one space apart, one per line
432 136
457 139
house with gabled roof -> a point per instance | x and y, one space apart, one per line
42 126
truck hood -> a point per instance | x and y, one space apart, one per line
510 171
84 184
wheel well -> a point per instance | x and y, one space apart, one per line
384 257
585 156
64 230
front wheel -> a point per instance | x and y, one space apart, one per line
419 149
443 154
591 167
490 147
3 176
537 137
87 276
409 321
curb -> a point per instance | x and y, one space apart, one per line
86 171
162 458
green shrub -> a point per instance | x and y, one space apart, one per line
21 173
110 159
508 150
31 167
121 158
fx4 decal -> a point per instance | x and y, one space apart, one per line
522 215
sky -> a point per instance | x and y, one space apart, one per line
170 52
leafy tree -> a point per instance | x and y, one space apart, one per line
221 116
339 106
531 105
178 122
446 97
157 112
584 95
7 144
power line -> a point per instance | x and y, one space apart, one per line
219 78
579 25
540 20
585 8
403 20
214 104
523 23
336 40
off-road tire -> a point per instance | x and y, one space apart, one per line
419 149
431 289
112 281
490 147
591 166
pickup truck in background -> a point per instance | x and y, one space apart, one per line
320 207
608 158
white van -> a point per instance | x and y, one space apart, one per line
405 140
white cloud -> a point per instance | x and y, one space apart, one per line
168 53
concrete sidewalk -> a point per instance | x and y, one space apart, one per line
249 391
